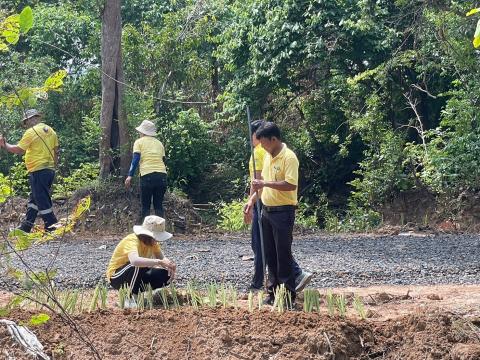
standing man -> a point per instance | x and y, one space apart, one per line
278 188
39 144
302 278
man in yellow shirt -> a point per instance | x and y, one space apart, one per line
278 188
149 153
39 144
302 278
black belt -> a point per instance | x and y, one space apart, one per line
279 208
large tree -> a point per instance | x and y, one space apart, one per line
113 154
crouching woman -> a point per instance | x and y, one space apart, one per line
138 261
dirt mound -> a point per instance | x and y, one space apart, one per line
113 210
238 334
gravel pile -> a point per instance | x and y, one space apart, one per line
337 261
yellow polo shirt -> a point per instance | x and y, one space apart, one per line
283 167
39 143
259 152
127 245
151 155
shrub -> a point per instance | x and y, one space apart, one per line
18 176
81 177
231 216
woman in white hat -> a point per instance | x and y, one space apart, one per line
138 259
149 153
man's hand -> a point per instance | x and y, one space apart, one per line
128 182
248 212
257 184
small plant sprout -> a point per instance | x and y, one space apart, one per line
80 306
149 296
164 298
103 296
193 295
330 299
123 294
311 300
250 301
341 305
94 300
280 299
212 294
233 296
141 301
223 296
359 307
174 293
260 299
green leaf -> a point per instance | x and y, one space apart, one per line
26 19
39 319
55 80
3 46
473 11
476 38
11 31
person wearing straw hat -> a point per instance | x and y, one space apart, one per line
138 261
39 144
149 153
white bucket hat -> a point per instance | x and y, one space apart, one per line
153 226
147 128
30 113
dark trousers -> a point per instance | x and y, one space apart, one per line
153 187
137 278
259 268
277 229
40 201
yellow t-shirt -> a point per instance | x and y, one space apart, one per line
283 167
151 155
259 153
39 143
127 245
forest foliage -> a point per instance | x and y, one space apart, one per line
375 97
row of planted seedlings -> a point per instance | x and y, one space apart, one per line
194 295
335 303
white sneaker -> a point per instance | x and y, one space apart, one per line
130 304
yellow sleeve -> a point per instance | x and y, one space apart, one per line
137 146
291 170
259 156
26 139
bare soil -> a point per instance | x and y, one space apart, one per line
404 323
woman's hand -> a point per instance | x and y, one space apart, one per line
168 265
128 182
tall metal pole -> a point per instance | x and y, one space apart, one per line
259 215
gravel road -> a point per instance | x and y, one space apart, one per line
337 261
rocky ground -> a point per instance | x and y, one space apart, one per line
337 260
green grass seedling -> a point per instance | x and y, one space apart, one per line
164 298
311 300
174 293
360 307
331 303
341 305
260 299
212 294
149 296
94 300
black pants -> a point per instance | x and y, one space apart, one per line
259 268
137 278
277 229
153 186
40 201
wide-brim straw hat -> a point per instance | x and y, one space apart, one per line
153 226
30 113
147 128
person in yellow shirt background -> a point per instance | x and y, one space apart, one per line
149 153
39 144
278 190
138 261
301 277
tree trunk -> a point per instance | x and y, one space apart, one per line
113 141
